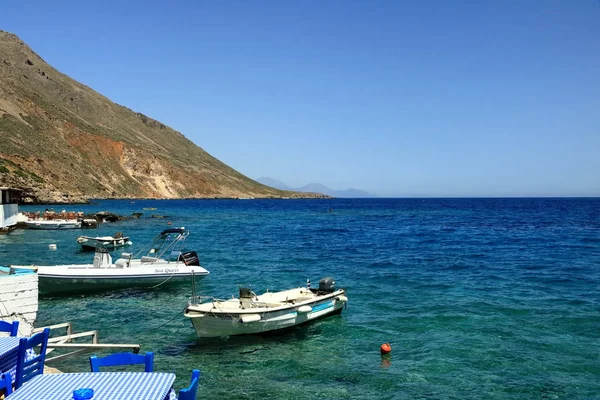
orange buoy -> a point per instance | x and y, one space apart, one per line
386 348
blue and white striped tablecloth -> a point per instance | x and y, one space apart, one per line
106 385
8 344
9 349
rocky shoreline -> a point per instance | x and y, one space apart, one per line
74 200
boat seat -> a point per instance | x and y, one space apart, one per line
146 259
247 303
122 263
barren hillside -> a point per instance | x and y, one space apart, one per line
66 142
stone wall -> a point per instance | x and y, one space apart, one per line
19 300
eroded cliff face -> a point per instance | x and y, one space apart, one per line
65 142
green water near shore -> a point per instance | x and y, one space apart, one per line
484 298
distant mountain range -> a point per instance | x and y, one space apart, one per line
316 188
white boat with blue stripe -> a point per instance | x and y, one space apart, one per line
166 262
271 311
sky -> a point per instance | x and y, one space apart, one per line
398 98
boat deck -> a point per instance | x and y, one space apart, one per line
268 300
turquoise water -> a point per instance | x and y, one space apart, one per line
479 298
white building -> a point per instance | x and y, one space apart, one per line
9 208
19 298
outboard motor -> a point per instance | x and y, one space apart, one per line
246 293
189 258
326 285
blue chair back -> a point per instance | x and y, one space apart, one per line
5 384
189 393
10 327
34 366
122 359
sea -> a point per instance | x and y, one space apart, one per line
479 298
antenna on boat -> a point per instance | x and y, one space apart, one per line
194 297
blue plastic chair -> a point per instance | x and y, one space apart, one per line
5 384
27 369
11 327
189 393
122 359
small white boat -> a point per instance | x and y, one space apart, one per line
108 242
53 224
271 311
164 263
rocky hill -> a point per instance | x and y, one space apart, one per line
64 142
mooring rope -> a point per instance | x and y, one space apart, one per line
163 324
163 282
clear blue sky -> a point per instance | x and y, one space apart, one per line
420 98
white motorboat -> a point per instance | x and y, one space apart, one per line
271 311
108 242
53 224
165 262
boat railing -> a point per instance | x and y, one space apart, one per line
178 241
158 248
65 341
196 300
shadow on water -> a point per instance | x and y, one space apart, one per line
247 344
118 292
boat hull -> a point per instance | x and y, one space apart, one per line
62 285
83 278
90 247
227 324
52 225
90 243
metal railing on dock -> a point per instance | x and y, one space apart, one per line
65 342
